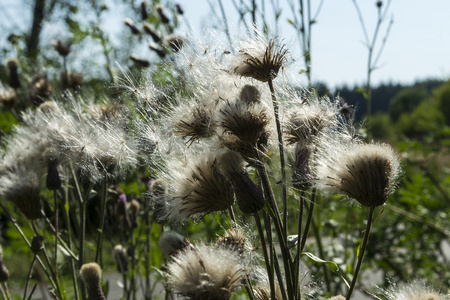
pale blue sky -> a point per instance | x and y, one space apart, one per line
418 46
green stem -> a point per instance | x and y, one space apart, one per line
299 248
273 212
308 221
55 198
29 277
102 217
361 255
266 255
282 159
28 243
47 259
322 254
69 241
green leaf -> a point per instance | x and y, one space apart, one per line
290 22
331 264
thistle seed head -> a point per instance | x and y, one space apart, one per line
22 187
197 123
175 42
234 239
364 172
203 190
205 273
305 124
260 60
245 121
415 290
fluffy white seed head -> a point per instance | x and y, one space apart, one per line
415 290
205 273
201 188
259 59
364 172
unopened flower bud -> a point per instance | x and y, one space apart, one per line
139 61
179 8
154 47
162 14
91 275
144 13
148 30
36 244
379 4
301 171
120 254
129 23
13 66
63 48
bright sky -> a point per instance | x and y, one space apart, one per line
418 46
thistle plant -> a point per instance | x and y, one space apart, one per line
222 138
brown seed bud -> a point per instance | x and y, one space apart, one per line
130 24
144 13
379 4
179 8
148 30
36 244
63 48
139 61
13 66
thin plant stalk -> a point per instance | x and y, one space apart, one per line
299 248
69 241
322 254
265 254
361 254
282 159
102 217
3 292
232 217
55 198
47 259
273 212
19 230
32 291
309 220
29 277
